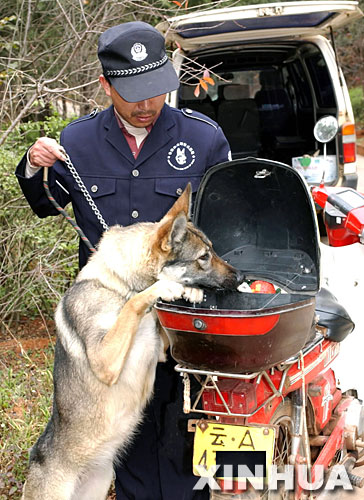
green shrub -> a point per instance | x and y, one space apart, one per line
39 256
357 101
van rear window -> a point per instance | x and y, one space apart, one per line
321 81
308 20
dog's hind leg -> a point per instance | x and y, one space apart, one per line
95 484
48 484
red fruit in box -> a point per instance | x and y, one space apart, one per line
262 287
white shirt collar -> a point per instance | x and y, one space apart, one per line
140 133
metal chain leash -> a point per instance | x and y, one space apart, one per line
84 191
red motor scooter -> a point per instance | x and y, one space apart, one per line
268 398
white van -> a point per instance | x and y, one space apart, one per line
275 73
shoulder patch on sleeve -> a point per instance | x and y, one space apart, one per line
93 113
190 113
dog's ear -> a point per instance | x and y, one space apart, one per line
172 232
173 226
183 204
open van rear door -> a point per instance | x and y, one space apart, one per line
261 21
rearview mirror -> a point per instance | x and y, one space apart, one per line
326 129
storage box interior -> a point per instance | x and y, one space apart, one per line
260 218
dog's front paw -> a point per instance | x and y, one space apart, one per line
193 294
169 290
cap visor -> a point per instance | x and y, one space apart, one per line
146 85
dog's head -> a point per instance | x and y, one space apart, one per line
187 253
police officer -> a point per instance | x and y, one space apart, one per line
135 158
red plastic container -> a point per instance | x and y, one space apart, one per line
238 341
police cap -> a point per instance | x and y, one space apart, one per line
134 59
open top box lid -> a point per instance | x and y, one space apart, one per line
261 218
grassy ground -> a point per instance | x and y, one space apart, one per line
25 402
25 405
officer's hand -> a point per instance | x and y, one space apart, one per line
45 152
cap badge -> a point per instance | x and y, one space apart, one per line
138 52
181 156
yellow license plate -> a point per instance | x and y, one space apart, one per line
221 444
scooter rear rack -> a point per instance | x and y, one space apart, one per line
209 380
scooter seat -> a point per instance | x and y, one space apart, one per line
333 316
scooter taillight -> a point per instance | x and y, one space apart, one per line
336 227
343 214
348 138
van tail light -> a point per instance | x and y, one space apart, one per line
348 143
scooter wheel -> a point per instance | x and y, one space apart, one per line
282 418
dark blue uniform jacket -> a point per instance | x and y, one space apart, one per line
180 148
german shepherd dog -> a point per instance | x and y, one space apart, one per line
108 347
